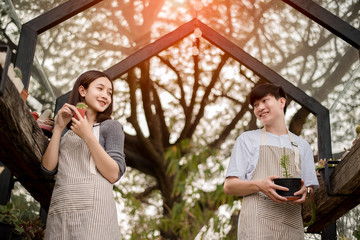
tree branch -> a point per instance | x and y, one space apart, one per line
179 80
165 135
147 91
226 131
145 143
204 100
144 195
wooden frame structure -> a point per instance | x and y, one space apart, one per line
26 165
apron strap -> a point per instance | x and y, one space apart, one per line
96 131
297 154
293 144
263 136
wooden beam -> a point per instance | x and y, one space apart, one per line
328 20
59 14
345 185
22 143
151 50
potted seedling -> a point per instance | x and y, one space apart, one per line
288 181
81 107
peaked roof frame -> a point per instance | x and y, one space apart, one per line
321 112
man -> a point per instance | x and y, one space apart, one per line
255 163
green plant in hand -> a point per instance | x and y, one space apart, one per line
81 105
285 163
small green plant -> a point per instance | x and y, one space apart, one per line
31 228
8 214
356 233
81 105
321 163
285 163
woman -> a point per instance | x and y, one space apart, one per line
88 159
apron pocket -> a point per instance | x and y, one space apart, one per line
286 214
72 198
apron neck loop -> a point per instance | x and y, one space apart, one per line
293 144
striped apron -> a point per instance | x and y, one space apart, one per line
82 203
260 217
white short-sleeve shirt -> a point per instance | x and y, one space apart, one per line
245 155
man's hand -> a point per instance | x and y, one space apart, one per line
302 192
268 187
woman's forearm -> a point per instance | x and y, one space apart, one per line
104 163
50 158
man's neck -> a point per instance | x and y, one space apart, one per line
279 129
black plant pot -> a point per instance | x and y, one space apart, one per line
293 184
6 231
16 236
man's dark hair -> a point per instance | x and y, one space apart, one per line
263 90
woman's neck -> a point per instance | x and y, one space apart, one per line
91 116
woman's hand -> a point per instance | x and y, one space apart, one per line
81 127
50 159
64 115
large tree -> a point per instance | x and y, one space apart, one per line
182 112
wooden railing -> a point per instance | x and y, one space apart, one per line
345 192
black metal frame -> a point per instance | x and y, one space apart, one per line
327 179
327 174
30 31
328 20
4 48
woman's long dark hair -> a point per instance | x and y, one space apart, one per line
84 80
